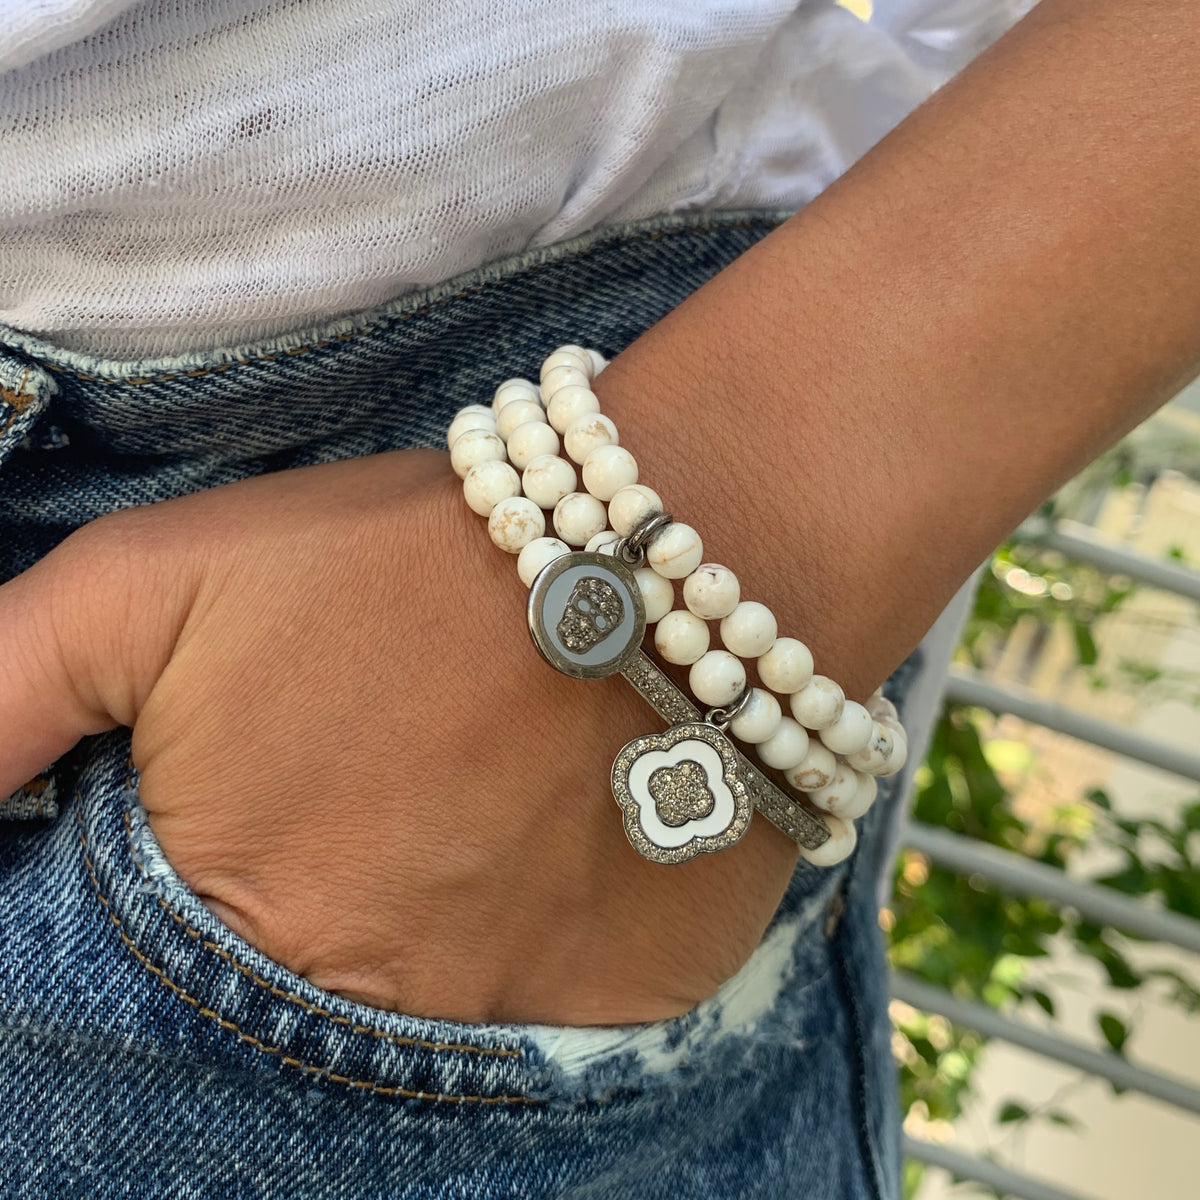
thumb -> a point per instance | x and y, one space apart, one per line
84 635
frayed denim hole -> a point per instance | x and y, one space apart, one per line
770 1003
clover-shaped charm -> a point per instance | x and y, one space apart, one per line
680 792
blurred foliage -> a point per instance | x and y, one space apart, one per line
960 933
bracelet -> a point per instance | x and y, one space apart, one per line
607 575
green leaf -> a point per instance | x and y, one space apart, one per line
1044 1001
1012 1111
1061 1118
1114 1030
1085 644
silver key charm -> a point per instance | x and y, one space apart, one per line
685 791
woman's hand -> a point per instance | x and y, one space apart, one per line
351 752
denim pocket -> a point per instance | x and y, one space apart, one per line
144 1012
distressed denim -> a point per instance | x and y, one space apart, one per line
150 1052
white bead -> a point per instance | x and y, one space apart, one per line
819 703
899 754
578 517
568 356
866 789
487 483
474 416
814 770
759 719
749 630
838 792
602 541
873 758
538 555
599 362
631 506
881 708
786 747
675 551
515 389
786 667
658 595
607 470
681 638
588 431
843 837
515 523
547 479
717 679
712 591
851 731
568 403
517 413
528 441
562 377
475 446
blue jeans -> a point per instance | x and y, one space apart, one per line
148 1051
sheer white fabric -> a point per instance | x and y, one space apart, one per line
179 175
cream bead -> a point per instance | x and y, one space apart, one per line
568 356
681 638
599 362
607 469
872 759
816 769
712 591
843 837
515 389
474 416
473 447
631 506
759 719
881 708
528 441
717 679
786 667
487 483
851 731
562 377
515 523
866 789
838 793
658 596
602 542
819 703
547 479
749 630
517 413
588 431
538 555
675 551
786 747
899 754
568 403
578 517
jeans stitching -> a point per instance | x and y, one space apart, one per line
365 1085
17 399
397 318
275 989
308 1006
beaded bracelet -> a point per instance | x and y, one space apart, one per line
690 789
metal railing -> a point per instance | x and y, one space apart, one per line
1014 874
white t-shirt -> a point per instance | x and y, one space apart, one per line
179 175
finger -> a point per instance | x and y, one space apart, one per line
84 634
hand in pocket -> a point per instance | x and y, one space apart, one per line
351 752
